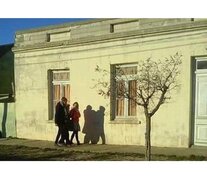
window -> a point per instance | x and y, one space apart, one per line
59 86
125 91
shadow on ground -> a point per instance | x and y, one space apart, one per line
23 153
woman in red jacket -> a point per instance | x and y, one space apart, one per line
75 115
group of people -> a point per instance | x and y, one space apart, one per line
66 120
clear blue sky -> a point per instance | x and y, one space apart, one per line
8 26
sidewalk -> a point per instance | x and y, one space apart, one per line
197 151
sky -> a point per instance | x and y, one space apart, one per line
8 26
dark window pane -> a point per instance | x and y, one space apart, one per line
201 64
120 98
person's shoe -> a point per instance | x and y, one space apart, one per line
61 144
68 144
78 143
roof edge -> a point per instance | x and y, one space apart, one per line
55 26
143 33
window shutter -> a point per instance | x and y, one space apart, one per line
67 92
50 94
132 106
112 93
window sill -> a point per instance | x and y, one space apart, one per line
125 121
51 121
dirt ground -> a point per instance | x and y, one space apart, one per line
23 153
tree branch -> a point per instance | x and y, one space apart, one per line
160 102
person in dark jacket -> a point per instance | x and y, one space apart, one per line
61 116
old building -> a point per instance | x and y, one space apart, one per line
7 104
57 61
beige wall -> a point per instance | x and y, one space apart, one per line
170 125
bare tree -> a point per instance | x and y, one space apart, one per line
154 82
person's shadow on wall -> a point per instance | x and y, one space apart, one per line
94 125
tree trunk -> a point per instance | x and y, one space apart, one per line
148 138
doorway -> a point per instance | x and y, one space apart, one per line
200 116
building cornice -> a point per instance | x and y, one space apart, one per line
156 31
59 26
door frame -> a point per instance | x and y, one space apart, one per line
194 74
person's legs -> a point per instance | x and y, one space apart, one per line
57 136
61 127
72 136
76 136
67 137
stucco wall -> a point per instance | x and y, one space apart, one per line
170 125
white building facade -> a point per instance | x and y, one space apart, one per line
58 61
